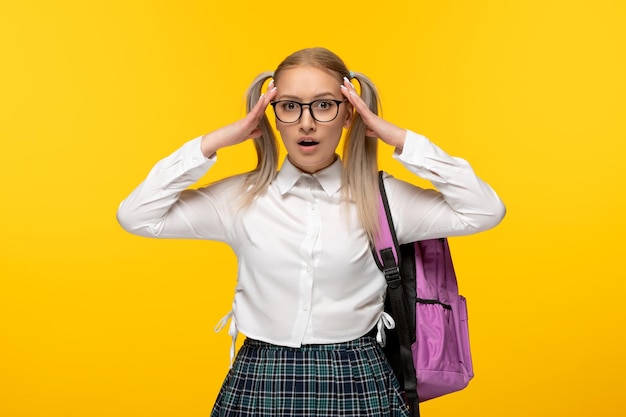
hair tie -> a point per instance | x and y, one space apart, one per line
351 75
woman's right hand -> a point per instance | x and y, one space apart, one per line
241 130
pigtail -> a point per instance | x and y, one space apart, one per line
360 154
360 173
266 146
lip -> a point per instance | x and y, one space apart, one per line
307 141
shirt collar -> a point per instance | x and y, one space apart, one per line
329 177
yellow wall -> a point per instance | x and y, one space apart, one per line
95 322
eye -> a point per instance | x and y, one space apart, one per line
289 106
324 105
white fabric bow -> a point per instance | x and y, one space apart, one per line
385 322
233 332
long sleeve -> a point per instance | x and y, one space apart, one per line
301 264
463 204
163 206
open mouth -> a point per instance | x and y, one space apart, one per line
308 143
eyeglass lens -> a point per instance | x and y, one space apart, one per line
289 111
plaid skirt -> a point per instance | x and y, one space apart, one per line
342 379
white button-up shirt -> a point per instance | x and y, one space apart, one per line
306 274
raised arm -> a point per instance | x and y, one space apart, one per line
163 206
462 204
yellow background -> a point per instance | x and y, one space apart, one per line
95 322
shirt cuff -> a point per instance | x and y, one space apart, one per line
414 149
193 157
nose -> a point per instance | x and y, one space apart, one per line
307 122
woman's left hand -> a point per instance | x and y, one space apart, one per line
376 126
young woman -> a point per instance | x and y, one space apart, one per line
309 295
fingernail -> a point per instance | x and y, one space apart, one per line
343 87
346 79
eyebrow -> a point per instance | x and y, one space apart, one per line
295 98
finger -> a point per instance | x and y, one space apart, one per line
347 83
265 99
361 107
271 85
350 92
348 87
270 94
355 100
257 112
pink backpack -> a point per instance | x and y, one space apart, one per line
429 347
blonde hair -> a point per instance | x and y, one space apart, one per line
360 173
266 146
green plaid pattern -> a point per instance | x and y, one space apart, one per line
336 380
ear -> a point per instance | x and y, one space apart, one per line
349 115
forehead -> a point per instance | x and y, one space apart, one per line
306 82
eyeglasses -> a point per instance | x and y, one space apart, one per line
324 110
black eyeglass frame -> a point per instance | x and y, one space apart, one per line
337 102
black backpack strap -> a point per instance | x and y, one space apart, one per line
390 265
